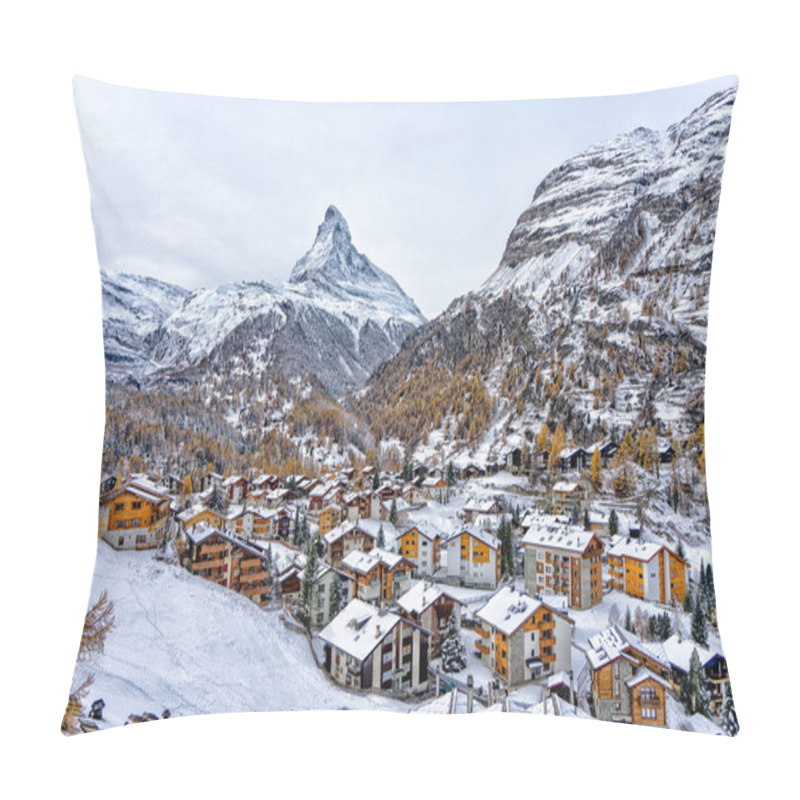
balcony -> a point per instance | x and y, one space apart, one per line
481 647
481 632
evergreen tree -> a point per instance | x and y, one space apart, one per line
296 532
680 551
507 566
305 611
336 603
688 605
699 630
376 480
613 523
728 718
381 537
393 512
709 595
451 474
694 689
586 523
454 654
628 619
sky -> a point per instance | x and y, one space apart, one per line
199 190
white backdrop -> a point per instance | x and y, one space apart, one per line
53 381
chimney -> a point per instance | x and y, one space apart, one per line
377 631
469 693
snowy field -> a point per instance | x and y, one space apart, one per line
185 644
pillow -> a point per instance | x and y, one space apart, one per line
465 476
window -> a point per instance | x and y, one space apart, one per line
119 506
136 504
141 538
120 541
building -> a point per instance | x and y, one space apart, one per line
328 582
329 518
679 653
648 570
235 488
567 497
420 545
564 560
345 538
629 679
369 648
380 576
134 515
473 558
433 488
231 562
431 606
521 638
487 506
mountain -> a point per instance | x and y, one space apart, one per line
595 317
337 317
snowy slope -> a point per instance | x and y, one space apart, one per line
185 644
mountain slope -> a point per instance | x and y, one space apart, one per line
595 317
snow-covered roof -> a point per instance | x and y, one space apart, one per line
679 652
199 533
636 548
362 562
489 539
565 486
643 674
614 642
358 629
421 595
507 609
426 529
570 538
536 517
481 505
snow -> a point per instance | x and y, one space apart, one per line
183 643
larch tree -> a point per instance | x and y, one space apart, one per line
558 444
596 470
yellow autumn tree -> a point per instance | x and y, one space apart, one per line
596 469
543 439
558 444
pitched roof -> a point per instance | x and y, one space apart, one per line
644 674
679 652
480 534
421 595
616 642
638 549
565 486
562 537
507 609
362 562
359 628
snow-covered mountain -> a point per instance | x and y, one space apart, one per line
596 315
337 318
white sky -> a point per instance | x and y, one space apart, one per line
199 190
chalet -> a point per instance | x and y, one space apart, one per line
567 496
278 497
431 606
380 576
345 538
521 638
628 678
328 583
228 561
369 505
367 648
715 666
432 487
511 458
648 570
252 522
195 515
487 506
573 459
607 451
666 453
473 558
261 484
472 471
235 488
401 510
420 545
564 560
329 518
351 506
174 483
134 515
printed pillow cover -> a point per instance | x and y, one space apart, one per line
483 490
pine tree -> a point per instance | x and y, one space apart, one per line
381 537
454 654
586 523
709 595
393 512
681 551
336 596
688 605
507 566
451 474
376 480
613 523
628 619
729 721
305 611
699 630
694 689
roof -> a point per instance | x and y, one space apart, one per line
421 595
342 529
426 529
644 674
482 506
481 535
679 652
199 533
637 549
569 538
507 609
362 562
616 642
565 486
358 629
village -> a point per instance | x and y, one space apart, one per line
456 588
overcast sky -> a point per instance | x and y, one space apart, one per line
200 190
